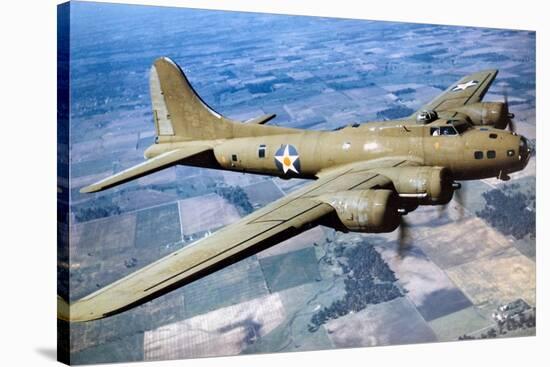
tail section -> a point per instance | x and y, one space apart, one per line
178 111
180 115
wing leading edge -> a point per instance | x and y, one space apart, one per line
272 224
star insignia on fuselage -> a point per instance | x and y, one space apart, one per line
287 159
463 86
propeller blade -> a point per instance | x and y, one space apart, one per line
510 116
441 210
459 198
511 126
532 145
403 237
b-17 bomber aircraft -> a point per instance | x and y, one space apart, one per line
365 177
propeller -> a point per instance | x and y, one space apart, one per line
458 196
403 234
509 115
403 237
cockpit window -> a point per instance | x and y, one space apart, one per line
443 130
461 127
447 130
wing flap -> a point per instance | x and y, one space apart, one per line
152 165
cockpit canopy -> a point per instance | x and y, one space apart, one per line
426 116
443 130
460 125
451 127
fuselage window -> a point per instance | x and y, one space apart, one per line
491 154
261 151
478 155
511 153
493 136
234 157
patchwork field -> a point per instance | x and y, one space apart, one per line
321 289
205 213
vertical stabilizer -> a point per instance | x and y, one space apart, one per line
178 111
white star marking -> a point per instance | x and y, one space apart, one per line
287 160
466 85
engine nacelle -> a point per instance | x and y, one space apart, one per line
372 211
422 185
486 113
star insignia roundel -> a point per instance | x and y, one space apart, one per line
464 86
287 159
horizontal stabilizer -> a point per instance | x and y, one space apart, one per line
262 119
152 165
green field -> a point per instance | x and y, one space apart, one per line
158 226
237 283
290 269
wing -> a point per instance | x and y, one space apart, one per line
272 224
152 165
469 89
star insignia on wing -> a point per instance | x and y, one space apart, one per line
463 86
288 158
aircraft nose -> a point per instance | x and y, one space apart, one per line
524 151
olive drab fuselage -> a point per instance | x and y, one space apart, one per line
475 153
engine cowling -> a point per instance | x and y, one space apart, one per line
486 113
421 185
372 211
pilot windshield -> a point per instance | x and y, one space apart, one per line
461 127
443 130
447 130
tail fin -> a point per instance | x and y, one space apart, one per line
178 111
